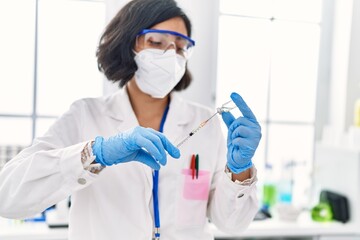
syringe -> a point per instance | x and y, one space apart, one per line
220 110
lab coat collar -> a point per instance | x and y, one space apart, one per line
118 106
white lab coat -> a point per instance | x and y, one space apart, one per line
117 203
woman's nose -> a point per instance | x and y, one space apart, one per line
171 46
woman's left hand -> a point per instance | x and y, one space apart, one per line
244 134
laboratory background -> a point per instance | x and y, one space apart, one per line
295 62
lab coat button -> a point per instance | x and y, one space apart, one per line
82 181
240 195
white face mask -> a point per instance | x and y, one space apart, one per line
158 72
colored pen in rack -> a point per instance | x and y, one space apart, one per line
192 166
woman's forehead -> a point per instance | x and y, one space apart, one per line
176 24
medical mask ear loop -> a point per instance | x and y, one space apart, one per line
135 52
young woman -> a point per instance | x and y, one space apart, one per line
106 152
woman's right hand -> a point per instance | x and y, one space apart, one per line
140 144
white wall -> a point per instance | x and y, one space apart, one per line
324 72
353 86
204 17
345 68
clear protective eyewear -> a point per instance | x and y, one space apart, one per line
164 40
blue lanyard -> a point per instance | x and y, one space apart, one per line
156 184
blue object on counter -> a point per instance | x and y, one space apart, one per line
40 217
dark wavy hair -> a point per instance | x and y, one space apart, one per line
115 54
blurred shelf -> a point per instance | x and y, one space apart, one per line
18 230
303 227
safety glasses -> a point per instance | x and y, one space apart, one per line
164 40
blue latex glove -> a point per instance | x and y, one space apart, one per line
140 144
244 134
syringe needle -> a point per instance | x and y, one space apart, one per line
194 131
220 110
184 140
